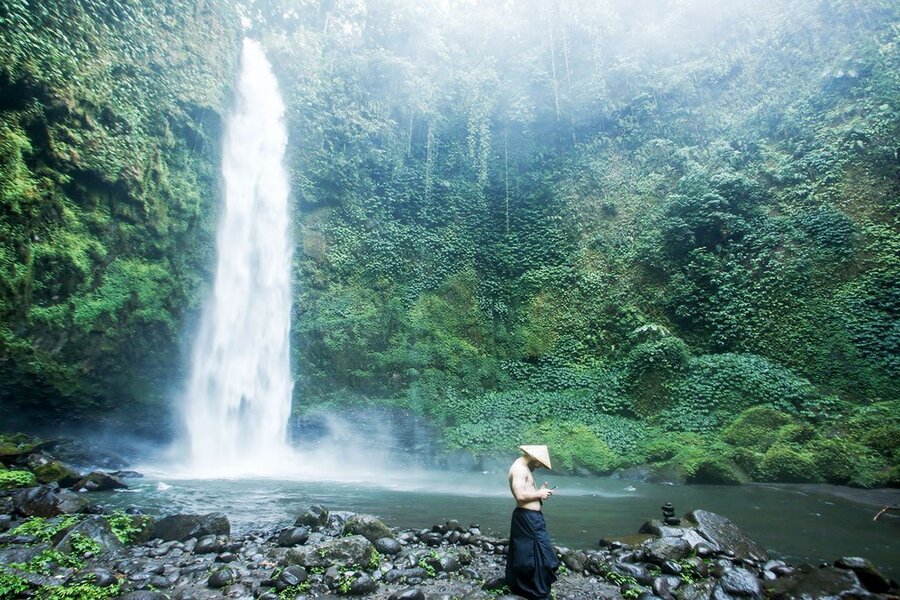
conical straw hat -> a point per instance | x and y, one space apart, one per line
538 452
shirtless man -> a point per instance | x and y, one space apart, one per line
532 563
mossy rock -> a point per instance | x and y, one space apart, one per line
15 478
843 461
56 471
716 470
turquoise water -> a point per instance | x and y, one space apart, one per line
797 525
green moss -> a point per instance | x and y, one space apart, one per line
786 464
13 478
574 446
756 428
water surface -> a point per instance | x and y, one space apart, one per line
793 523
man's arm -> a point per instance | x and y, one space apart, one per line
524 491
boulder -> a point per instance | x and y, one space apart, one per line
342 552
868 575
293 536
368 526
315 516
183 527
46 469
828 583
208 544
292 575
20 554
667 548
640 573
99 482
738 583
222 578
575 560
95 528
144 595
47 501
699 590
725 536
410 593
362 584
388 546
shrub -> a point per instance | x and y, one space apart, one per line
651 369
574 445
787 464
756 428
714 469
14 479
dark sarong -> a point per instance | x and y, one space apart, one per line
532 563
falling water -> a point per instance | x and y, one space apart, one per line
239 394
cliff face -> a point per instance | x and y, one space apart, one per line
110 121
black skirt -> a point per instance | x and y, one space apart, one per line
532 563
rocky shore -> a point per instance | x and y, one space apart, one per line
56 544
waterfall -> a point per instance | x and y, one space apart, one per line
238 397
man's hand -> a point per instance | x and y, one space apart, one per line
544 492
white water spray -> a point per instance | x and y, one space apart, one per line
239 394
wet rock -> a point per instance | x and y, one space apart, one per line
666 549
670 567
144 595
665 586
208 544
700 590
575 560
183 527
724 535
47 501
494 583
20 554
810 582
222 578
5 522
447 564
226 557
49 470
292 575
408 594
99 482
868 575
432 539
362 584
344 552
98 576
408 575
95 528
738 583
293 536
638 572
368 526
388 546
315 516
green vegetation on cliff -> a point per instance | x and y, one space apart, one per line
609 228
109 132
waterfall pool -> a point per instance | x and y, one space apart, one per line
795 523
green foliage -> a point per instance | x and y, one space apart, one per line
756 428
45 529
12 478
574 445
78 591
82 545
785 463
126 527
11 585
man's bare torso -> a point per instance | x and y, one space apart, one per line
521 480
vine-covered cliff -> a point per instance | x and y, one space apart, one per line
110 118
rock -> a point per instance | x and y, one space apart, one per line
98 576
639 573
20 554
410 575
183 527
408 594
47 501
575 560
95 528
293 536
495 583
868 575
368 526
292 575
362 584
99 482
665 586
670 567
810 582
315 516
344 552
222 578
388 546
725 535
208 544
49 470
667 548
432 539
5 522
738 583
700 590
144 595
